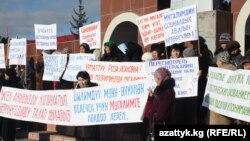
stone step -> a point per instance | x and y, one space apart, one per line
21 134
41 135
57 137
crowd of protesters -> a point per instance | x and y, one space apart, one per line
162 108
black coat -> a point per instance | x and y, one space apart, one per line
9 125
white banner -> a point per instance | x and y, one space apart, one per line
108 73
228 93
54 65
17 52
180 25
91 34
151 27
88 106
2 56
45 36
76 64
183 70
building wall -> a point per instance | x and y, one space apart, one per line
236 6
112 8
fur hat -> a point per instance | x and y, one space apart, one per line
11 73
246 60
225 37
189 52
224 57
162 74
147 56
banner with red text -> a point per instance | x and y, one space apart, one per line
91 34
105 73
151 27
2 56
123 103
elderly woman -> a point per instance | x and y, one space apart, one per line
223 61
163 98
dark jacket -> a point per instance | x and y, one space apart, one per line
9 125
163 106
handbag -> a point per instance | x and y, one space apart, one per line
151 136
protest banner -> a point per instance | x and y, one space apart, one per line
105 73
45 36
151 27
76 64
91 34
227 93
122 103
180 25
2 56
183 70
54 65
17 52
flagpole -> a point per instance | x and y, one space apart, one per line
8 47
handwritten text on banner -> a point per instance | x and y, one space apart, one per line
17 52
228 93
91 34
45 36
151 27
54 66
183 70
2 56
180 25
88 106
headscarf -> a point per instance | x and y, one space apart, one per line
163 74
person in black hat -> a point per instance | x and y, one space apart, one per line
233 48
223 40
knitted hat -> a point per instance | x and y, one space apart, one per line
162 74
188 52
232 45
109 44
224 57
225 37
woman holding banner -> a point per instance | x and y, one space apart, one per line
86 132
222 61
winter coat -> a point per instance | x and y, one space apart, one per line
163 103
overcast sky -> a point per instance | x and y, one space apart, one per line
19 16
